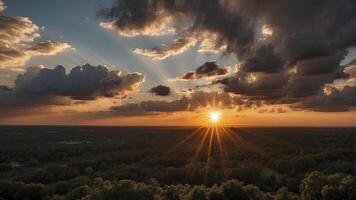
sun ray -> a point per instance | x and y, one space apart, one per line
201 144
183 141
222 152
242 142
207 164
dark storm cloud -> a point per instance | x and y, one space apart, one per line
301 29
146 17
337 101
302 86
135 17
262 86
320 65
161 90
270 39
83 82
208 69
263 60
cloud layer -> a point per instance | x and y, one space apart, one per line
288 51
193 102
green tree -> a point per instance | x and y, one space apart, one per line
197 193
233 190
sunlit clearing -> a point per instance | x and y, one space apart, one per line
214 116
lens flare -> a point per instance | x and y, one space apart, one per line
214 116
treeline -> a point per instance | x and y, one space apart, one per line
315 185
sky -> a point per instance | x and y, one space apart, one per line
160 62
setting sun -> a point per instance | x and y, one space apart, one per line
214 116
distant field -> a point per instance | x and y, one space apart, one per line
60 161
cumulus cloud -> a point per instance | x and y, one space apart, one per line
83 82
208 69
18 36
161 90
40 90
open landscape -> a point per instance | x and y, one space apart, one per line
178 100
61 162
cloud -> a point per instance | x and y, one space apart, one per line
178 46
149 107
135 17
287 51
208 69
351 69
83 82
140 16
43 90
320 65
303 86
2 6
337 101
194 102
13 103
161 90
264 59
261 86
296 30
18 36
47 48
156 28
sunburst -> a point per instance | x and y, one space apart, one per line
214 116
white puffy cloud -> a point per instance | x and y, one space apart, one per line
18 41
2 6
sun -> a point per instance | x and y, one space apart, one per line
214 116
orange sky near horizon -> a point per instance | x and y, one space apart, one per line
228 118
